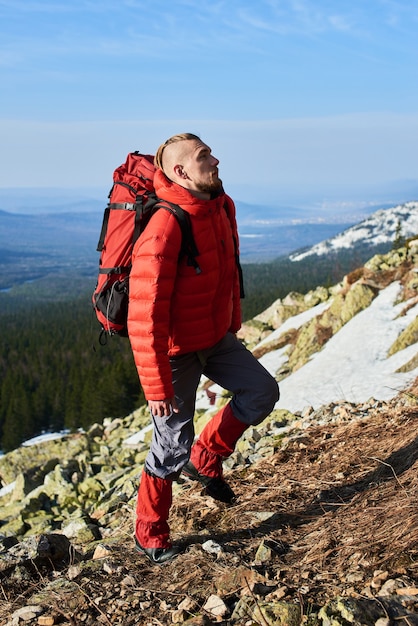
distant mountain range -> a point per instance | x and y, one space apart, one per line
35 201
43 233
43 238
382 227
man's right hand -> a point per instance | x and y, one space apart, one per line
163 408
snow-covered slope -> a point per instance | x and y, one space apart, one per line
354 364
381 227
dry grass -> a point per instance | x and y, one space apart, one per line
335 507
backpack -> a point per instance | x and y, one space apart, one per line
132 202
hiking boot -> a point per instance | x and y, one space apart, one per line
158 556
217 487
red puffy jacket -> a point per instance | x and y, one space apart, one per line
172 309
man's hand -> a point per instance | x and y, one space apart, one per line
163 408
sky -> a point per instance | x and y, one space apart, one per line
295 97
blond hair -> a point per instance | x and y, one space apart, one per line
158 159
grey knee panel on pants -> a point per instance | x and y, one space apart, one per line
255 391
234 368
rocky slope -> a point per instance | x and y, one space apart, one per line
324 531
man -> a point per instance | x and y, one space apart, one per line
182 324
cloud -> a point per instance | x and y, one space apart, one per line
81 28
396 12
303 18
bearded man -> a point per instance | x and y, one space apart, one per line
182 324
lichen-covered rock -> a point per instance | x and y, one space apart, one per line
45 547
281 310
253 331
411 365
407 337
60 587
277 613
33 458
81 531
316 296
361 611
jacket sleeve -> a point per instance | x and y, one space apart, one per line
151 284
236 296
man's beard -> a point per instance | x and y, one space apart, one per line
213 187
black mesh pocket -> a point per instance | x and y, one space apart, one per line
112 302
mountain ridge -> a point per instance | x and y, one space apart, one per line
381 227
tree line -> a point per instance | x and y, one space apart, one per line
55 375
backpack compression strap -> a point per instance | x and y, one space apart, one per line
129 206
237 261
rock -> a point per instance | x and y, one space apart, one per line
211 547
110 567
73 571
183 611
262 516
277 613
406 338
101 552
239 579
52 547
263 554
390 587
81 531
60 587
215 606
243 610
362 611
46 620
28 613
28 458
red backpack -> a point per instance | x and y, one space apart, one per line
132 201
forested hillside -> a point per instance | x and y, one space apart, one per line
55 375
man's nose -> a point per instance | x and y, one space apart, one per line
215 161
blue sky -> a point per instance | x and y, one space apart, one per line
294 96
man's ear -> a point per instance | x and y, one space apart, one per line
179 171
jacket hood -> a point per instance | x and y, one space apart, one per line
172 192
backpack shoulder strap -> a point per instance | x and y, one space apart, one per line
239 267
188 244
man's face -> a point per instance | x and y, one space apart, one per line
201 168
